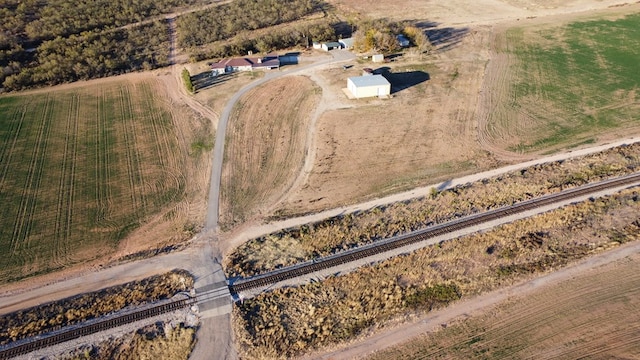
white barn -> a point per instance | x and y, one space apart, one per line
368 86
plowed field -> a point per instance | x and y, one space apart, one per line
81 169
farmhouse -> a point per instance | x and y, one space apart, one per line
368 86
245 64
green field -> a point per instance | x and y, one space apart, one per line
569 84
80 170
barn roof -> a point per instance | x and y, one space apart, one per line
370 80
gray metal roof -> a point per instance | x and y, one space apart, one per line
369 80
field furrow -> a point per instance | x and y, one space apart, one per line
128 145
13 134
28 198
71 191
63 184
133 120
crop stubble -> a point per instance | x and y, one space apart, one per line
265 145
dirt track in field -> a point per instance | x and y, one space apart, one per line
265 145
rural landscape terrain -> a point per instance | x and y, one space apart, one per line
136 181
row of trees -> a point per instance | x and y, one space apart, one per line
299 35
225 21
91 54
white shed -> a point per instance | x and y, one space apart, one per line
368 86
377 58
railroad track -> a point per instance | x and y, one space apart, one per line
382 246
71 334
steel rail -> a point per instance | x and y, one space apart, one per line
392 243
88 329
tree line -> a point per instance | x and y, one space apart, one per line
300 35
91 54
228 20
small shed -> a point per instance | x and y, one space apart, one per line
346 43
368 86
377 58
330 46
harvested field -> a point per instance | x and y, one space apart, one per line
334 234
89 169
291 321
464 12
51 316
591 316
265 146
567 85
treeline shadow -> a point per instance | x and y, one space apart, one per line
442 38
402 80
206 80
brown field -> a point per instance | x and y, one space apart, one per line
594 315
265 145
425 133
95 171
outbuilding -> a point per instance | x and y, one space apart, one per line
330 46
346 43
368 86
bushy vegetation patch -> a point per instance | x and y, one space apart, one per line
227 20
47 317
342 232
290 321
91 54
157 341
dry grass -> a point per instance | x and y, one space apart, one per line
158 341
47 317
291 321
370 147
592 316
305 242
265 145
86 169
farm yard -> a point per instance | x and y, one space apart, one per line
86 167
371 147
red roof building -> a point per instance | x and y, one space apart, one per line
245 64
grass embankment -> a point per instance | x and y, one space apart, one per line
73 310
308 241
256 172
570 84
291 321
593 315
158 341
81 169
